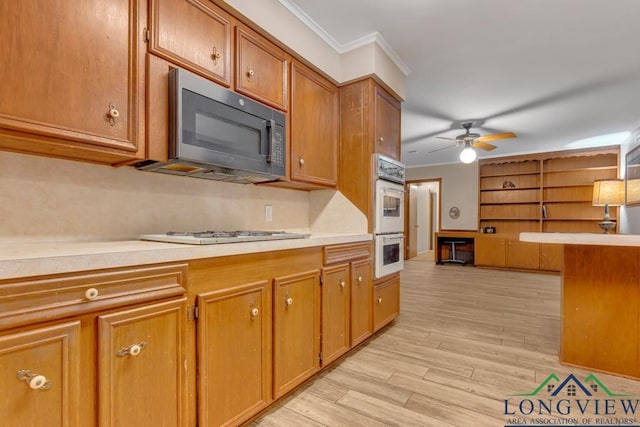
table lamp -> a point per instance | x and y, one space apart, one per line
608 192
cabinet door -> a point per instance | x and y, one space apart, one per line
174 24
335 312
39 376
261 69
550 257
73 78
386 302
387 124
234 354
361 292
315 127
296 330
523 254
490 251
141 359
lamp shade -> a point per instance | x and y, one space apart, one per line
608 192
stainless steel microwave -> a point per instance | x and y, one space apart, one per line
220 135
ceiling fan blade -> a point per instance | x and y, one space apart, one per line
446 137
497 136
440 149
484 146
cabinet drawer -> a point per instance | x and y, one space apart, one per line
345 253
52 297
386 302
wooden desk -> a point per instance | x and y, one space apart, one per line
467 251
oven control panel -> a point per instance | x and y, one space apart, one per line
389 169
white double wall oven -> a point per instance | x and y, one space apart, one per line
389 216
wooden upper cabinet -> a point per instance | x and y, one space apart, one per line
387 124
193 34
315 128
72 79
261 69
40 376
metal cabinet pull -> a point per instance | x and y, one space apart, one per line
132 350
35 381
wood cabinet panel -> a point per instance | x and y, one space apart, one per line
86 102
522 254
315 125
550 257
193 34
296 330
600 308
54 353
261 69
142 380
336 312
387 124
234 353
386 302
490 251
361 301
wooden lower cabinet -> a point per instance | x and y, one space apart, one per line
361 294
296 330
234 353
141 354
494 251
550 257
40 376
336 308
386 301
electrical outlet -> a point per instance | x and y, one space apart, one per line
268 213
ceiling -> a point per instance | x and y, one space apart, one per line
561 74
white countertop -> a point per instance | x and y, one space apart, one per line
583 239
39 258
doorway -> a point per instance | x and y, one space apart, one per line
423 216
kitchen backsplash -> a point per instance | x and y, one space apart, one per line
51 199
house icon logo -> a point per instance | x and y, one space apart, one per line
571 386
572 401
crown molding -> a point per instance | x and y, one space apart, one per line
343 48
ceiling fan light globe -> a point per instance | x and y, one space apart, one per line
468 155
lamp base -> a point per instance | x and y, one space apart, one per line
607 225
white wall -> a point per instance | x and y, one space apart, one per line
629 215
459 188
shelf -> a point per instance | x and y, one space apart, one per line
576 219
581 169
568 186
508 174
510 189
547 202
509 203
510 219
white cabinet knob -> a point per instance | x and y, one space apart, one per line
381 139
301 161
91 294
37 382
342 284
288 301
359 279
135 350
380 300
254 312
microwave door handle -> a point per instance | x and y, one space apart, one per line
271 129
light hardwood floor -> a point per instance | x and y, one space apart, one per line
466 339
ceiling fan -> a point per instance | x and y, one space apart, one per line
473 140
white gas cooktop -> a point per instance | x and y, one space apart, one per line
216 237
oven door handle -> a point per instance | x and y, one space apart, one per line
393 190
391 239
